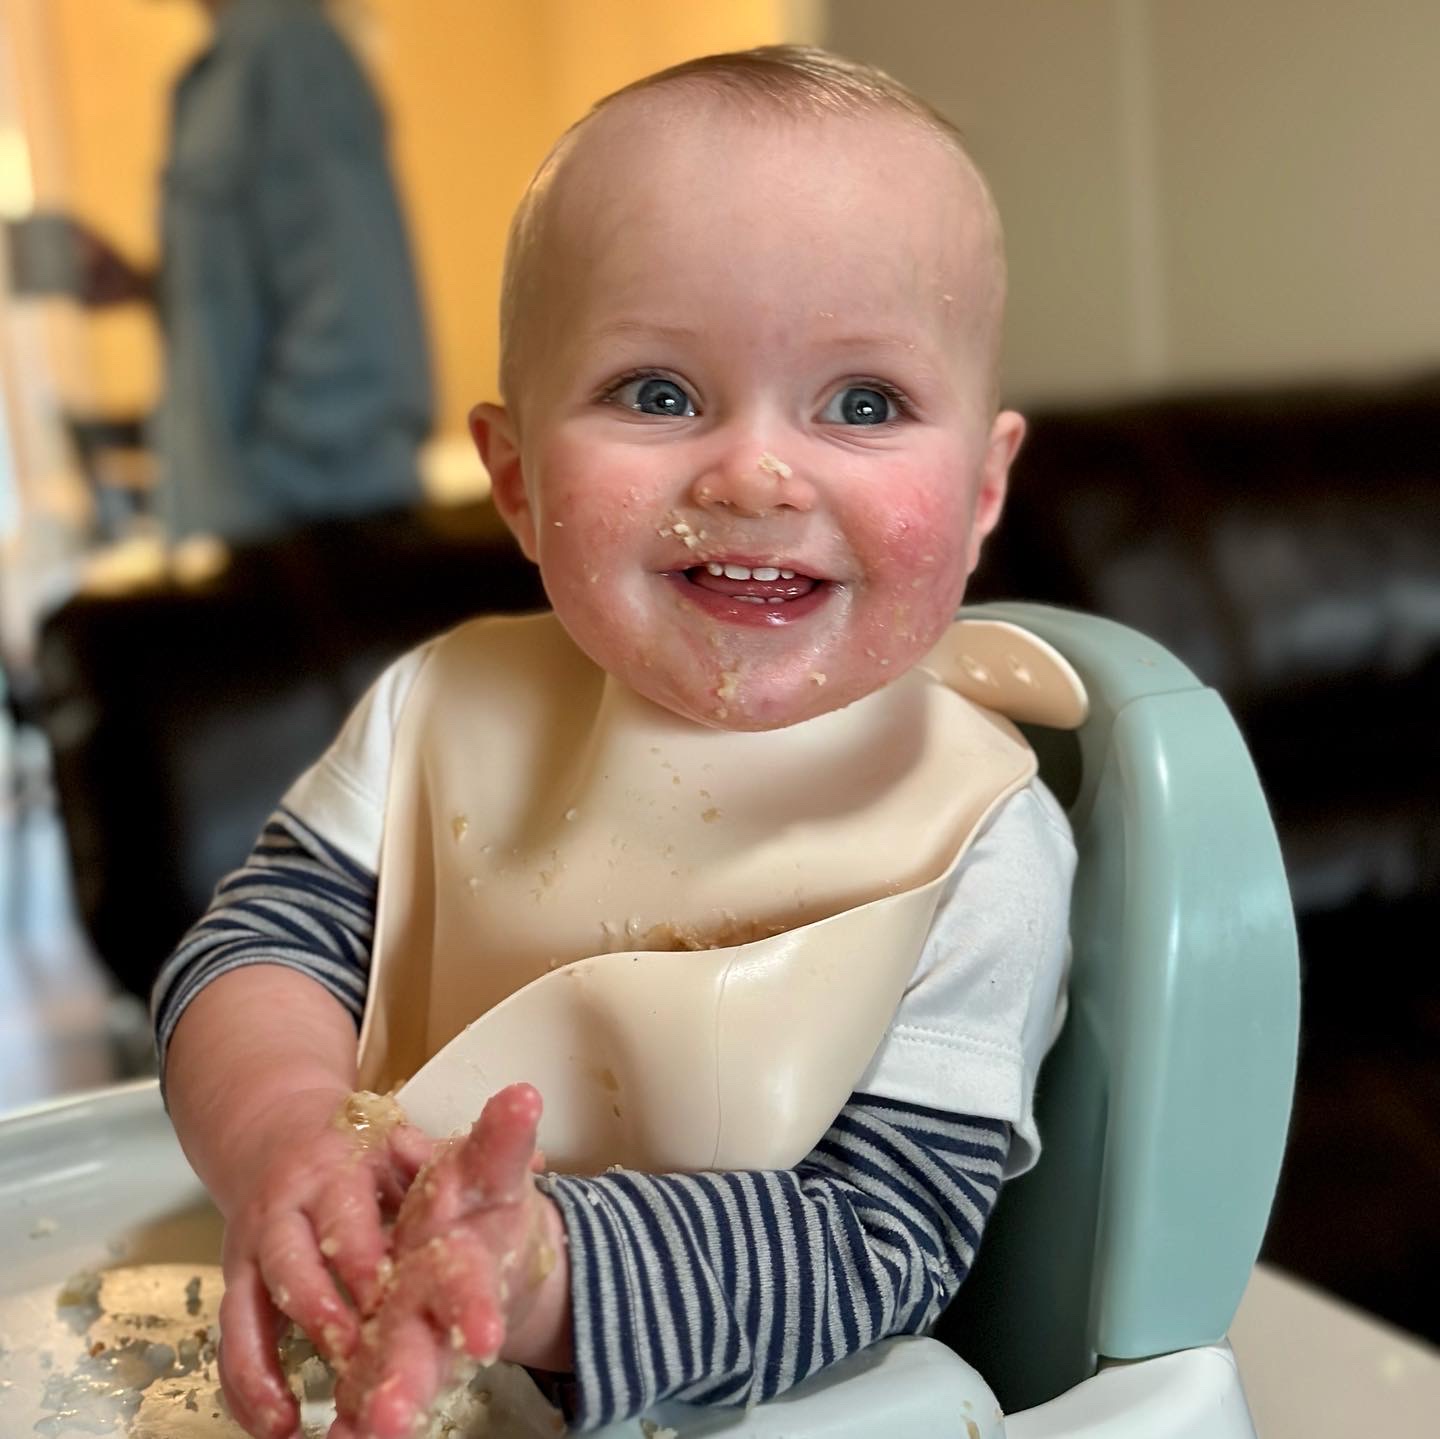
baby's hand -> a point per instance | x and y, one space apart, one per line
473 1247
328 1174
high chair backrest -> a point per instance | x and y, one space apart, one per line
1163 1107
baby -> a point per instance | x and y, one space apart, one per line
750 329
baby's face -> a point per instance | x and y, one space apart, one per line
753 452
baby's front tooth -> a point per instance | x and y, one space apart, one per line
766 573
787 574
737 572
716 570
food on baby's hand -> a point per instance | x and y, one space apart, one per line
370 1117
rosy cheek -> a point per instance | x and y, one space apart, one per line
919 538
915 572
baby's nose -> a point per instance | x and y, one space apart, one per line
753 487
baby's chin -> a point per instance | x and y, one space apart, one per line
756 707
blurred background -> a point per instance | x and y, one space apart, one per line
1223 223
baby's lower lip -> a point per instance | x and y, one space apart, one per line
751 602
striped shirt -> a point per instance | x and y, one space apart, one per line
730 1288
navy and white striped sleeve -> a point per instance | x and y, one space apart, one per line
298 901
728 1288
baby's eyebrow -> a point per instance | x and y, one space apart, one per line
869 341
646 329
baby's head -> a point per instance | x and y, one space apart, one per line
750 336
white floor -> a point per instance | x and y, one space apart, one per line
1313 1368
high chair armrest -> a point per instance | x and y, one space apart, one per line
1192 1394
906 1388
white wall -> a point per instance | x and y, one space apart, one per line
1196 192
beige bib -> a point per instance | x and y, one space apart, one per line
690 940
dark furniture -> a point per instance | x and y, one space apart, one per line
179 714
1286 545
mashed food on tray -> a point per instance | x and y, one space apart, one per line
147 1368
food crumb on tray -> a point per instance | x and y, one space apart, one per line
146 1367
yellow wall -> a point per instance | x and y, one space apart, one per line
476 90
477 93
95 76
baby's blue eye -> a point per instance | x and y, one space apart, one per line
654 396
860 405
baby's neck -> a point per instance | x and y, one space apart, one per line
629 723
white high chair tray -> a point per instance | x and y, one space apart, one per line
99 1183
90 1185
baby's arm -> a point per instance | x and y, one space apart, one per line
255 1014
729 1288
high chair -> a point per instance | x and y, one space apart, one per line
1110 1273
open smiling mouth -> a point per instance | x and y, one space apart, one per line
762 595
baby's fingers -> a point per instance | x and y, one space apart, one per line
347 1225
300 1285
398 1371
455 1280
488 1169
444 1299
250 1376
410 1150
495 1157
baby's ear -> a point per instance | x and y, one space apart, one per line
493 431
1006 436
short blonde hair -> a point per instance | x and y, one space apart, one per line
799 81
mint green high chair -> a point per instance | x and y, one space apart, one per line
1164 1105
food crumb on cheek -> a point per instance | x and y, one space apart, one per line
682 531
